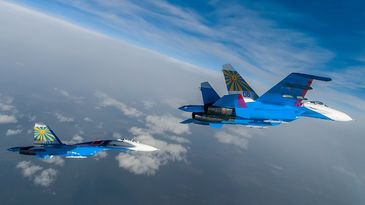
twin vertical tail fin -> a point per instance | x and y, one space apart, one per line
208 93
44 135
236 84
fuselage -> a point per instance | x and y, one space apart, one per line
81 150
259 114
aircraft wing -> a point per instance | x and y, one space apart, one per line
291 90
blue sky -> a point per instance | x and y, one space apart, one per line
263 38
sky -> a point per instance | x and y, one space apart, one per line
120 69
267 38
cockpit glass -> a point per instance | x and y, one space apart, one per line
116 143
318 103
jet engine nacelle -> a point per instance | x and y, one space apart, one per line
220 111
206 118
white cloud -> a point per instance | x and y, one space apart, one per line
46 177
10 132
68 95
147 104
7 119
27 168
63 118
6 103
39 175
236 135
117 135
59 161
75 139
149 163
107 101
100 155
166 123
178 139
62 92
87 119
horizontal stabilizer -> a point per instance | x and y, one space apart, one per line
187 121
192 108
208 93
215 125
231 101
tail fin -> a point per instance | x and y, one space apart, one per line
236 84
44 135
208 93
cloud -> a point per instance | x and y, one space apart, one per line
39 175
10 132
149 163
68 95
7 119
100 155
6 103
58 161
107 101
62 118
178 139
46 177
87 119
236 135
147 104
27 168
117 135
166 123
75 139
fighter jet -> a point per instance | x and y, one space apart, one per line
283 103
48 145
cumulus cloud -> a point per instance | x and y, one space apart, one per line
46 177
107 101
75 139
10 132
117 135
149 163
27 168
236 135
166 123
62 118
147 104
39 175
87 119
100 155
7 119
6 103
58 161
68 95
178 139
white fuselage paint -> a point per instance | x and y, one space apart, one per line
327 111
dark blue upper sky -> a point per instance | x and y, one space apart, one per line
272 36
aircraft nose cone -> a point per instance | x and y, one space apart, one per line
183 108
144 148
345 117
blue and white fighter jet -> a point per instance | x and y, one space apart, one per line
283 103
48 145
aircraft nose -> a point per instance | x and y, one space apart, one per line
344 117
183 108
144 148
340 116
